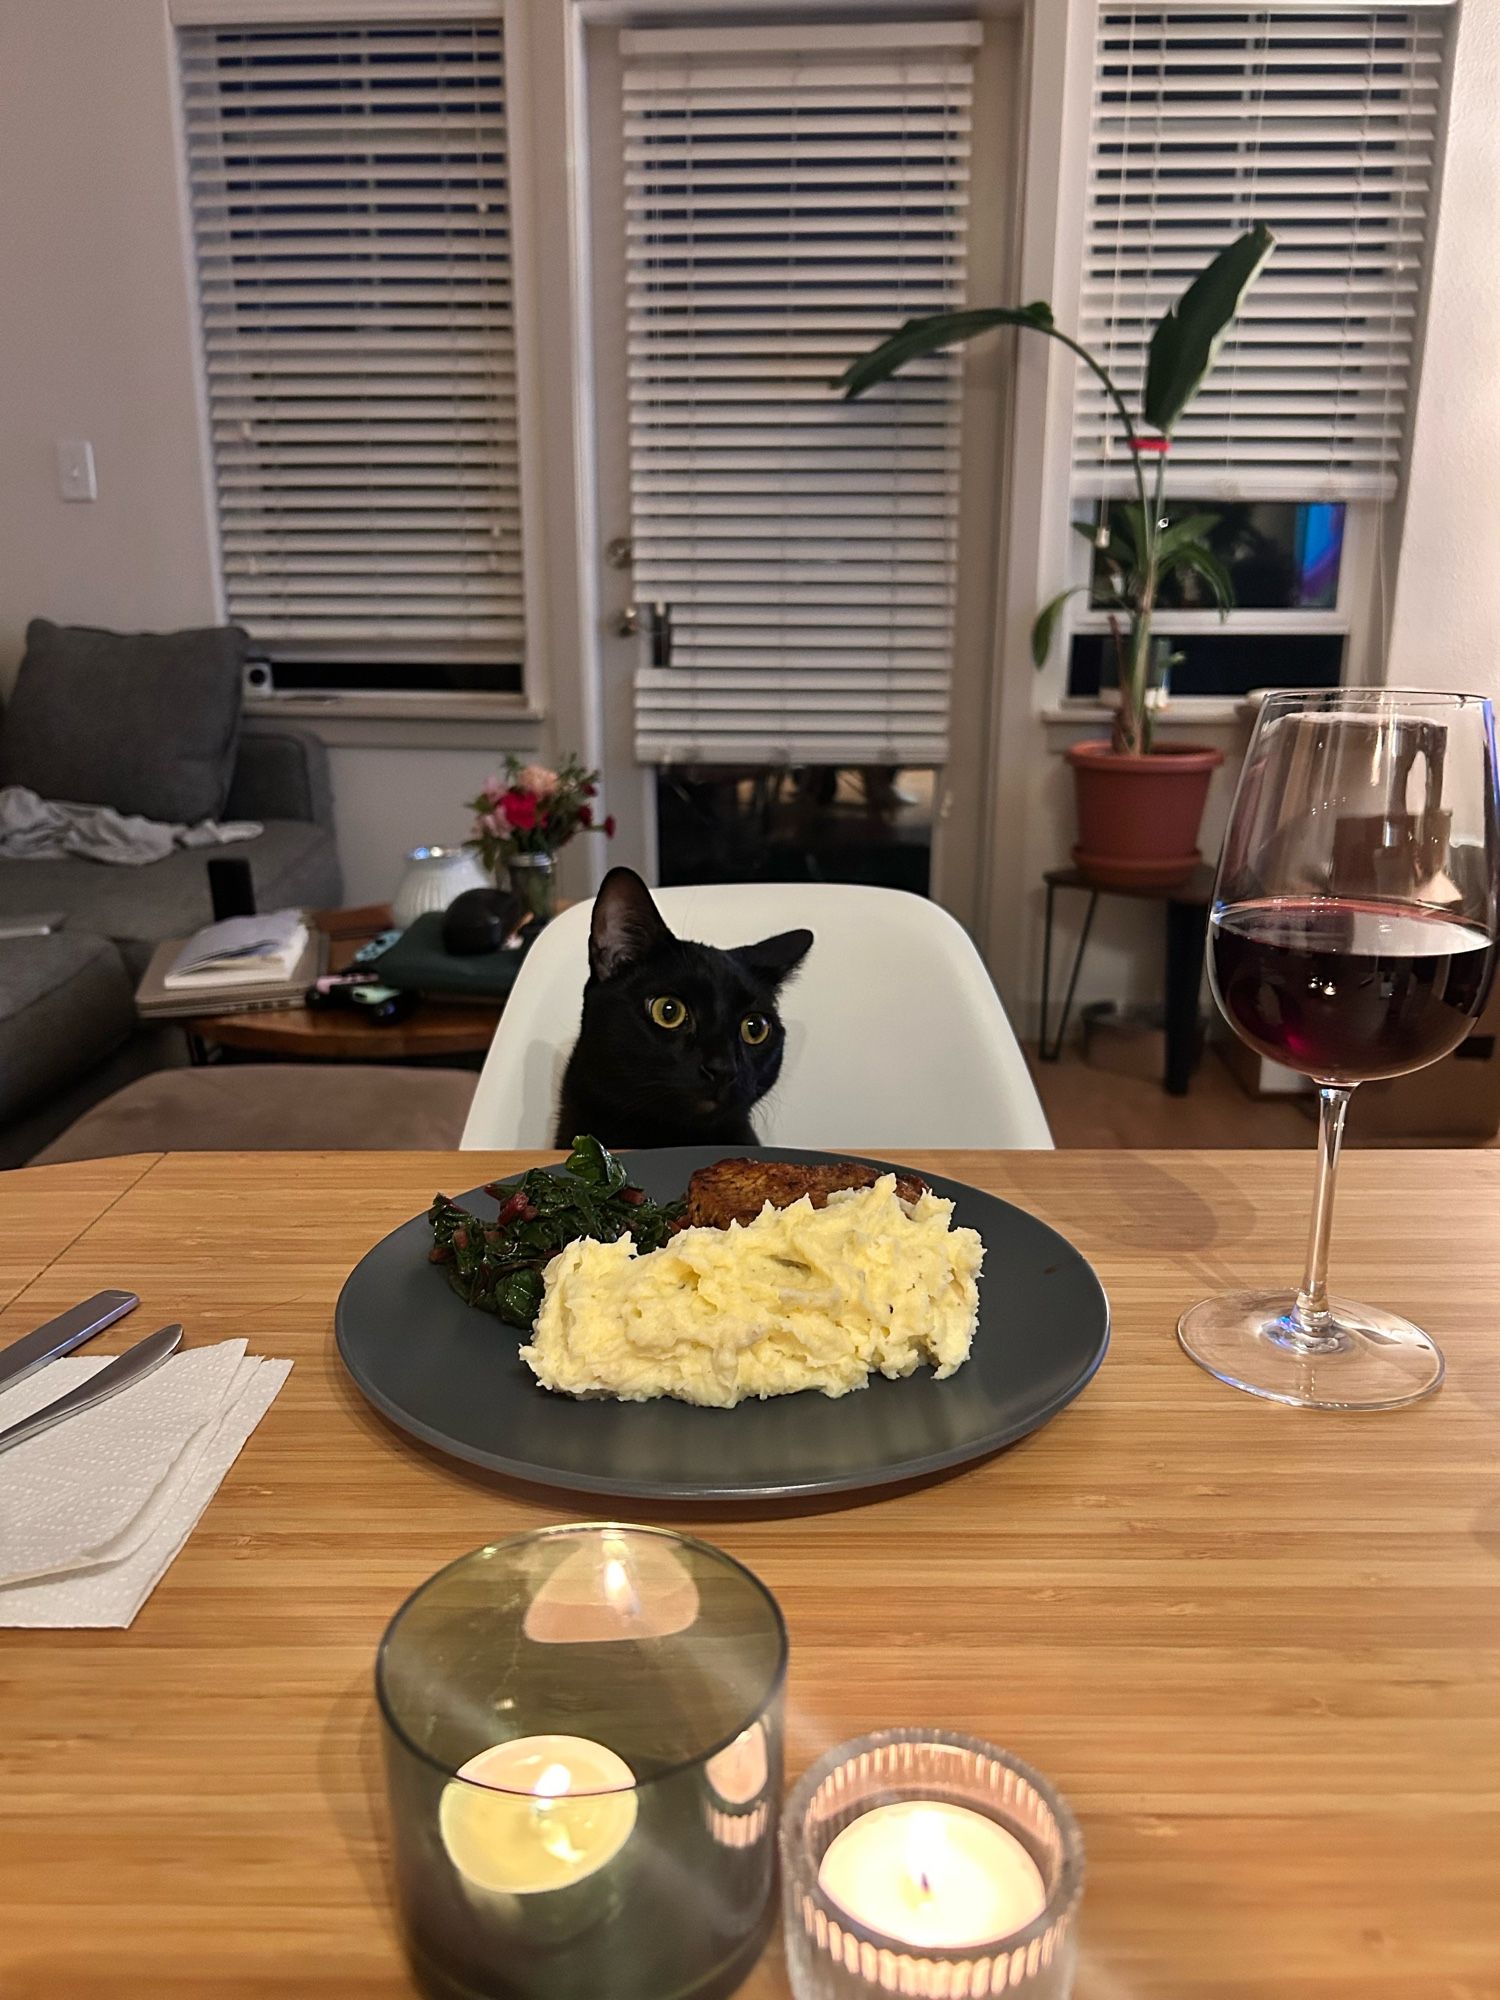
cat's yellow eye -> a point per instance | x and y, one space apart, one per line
667 1011
754 1029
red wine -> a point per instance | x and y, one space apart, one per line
1345 990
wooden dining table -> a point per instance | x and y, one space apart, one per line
1257 1648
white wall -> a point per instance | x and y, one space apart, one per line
98 336
390 801
1444 631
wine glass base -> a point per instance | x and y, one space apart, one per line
1372 1360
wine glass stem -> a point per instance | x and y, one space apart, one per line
1310 1315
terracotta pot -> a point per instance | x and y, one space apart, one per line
1138 817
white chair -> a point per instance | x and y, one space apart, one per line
895 1036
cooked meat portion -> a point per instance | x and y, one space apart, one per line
737 1190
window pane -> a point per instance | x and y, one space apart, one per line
352 236
394 677
785 208
1319 120
1219 663
815 823
1282 555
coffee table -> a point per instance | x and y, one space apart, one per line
439 1028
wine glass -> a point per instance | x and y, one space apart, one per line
1352 936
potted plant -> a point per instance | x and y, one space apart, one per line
522 819
1139 807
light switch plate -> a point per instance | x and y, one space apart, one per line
75 470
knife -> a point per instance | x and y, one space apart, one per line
61 1335
111 1379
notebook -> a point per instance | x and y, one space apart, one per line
158 1001
239 951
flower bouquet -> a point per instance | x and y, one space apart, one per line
524 818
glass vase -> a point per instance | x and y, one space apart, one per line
583 1737
532 878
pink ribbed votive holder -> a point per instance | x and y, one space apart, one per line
832 1955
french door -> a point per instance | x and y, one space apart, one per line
794 603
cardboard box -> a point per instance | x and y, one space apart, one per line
1128 1041
1256 1074
1457 1098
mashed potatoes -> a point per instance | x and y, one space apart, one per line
800 1298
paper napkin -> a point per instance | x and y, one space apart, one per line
93 1511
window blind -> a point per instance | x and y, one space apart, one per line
1322 124
785 208
350 215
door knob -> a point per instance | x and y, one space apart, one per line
655 621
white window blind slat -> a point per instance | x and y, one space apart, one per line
1320 123
351 228
784 209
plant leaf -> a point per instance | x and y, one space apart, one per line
1191 528
1200 558
1187 340
919 337
1126 523
1046 623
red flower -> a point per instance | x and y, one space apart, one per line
585 815
609 827
520 809
591 791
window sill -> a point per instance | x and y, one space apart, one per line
1187 711
396 707
405 721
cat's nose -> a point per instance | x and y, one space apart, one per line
717 1069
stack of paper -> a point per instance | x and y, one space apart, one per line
93 1511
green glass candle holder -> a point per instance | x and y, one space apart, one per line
583 1739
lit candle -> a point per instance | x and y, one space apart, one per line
932 1874
537 1813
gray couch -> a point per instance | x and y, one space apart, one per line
69 1034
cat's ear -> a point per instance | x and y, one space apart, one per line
627 925
775 959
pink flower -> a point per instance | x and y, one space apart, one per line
520 809
494 790
538 780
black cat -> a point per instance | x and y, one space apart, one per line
679 1041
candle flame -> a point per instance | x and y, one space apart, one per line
553 1782
926 1843
618 1587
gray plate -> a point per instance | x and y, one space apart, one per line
452 1376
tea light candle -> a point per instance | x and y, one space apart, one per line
934 1875
537 1813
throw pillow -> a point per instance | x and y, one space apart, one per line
145 722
